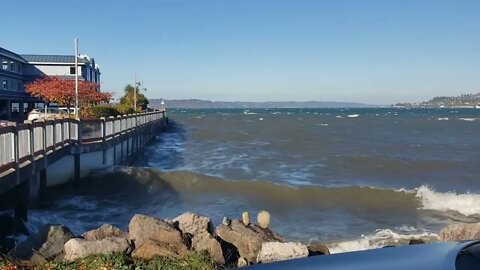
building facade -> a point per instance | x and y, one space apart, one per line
62 66
14 101
17 70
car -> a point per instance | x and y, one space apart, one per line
439 256
65 110
51 113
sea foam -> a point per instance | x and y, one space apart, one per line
466 204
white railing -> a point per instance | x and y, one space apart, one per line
22 142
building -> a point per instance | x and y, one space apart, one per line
14 102
18 70
62 66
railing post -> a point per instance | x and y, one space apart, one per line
32 140
79 132
104 128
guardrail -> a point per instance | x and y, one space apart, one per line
29 140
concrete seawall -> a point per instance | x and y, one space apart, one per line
78 148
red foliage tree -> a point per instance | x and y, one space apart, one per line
52 89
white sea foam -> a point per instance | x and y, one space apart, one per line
466 204
467 119
353 115
383 237
261 118
443 118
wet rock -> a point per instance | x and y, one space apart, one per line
47 244
205 241
105 231
80 248
460 232
416 242
143 228
247 239
152 247
193 224
318 249
277 251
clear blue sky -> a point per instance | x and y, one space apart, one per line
373 51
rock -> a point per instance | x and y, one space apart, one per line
143 227
318 249
105 231
80 248
245 218
47 244
247 239
460 232
153 247
242 262
277 251
226 221
193 224
205 241
263 219
416 242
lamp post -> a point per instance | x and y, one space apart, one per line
76 78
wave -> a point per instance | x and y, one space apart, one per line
382 238
468 204
268 194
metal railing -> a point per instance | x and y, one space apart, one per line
26 141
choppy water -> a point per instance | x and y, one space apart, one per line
355 178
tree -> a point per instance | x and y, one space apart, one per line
52 89
129 96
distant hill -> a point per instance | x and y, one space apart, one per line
462 101
203 104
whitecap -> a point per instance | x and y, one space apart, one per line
383 237
466 204
467 119
353 115
443 118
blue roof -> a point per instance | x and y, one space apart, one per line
37 58
11 55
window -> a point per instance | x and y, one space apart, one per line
5 84
19 68
12 66
72 70
19 87
4 64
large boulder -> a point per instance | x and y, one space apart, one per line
247 239
318 249
152 247
277 251
80 248
47 244
105 231
143 228
204 241
192 223
460 232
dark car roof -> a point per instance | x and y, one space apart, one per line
438 256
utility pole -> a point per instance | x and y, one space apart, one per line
76 78
135 94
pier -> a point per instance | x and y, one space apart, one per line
36 155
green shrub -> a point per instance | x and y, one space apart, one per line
95 112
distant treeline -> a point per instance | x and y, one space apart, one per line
462 101
202 104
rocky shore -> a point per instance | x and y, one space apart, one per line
234 243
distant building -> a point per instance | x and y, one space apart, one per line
12 86
18 70
62 66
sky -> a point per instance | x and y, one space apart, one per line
370 51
